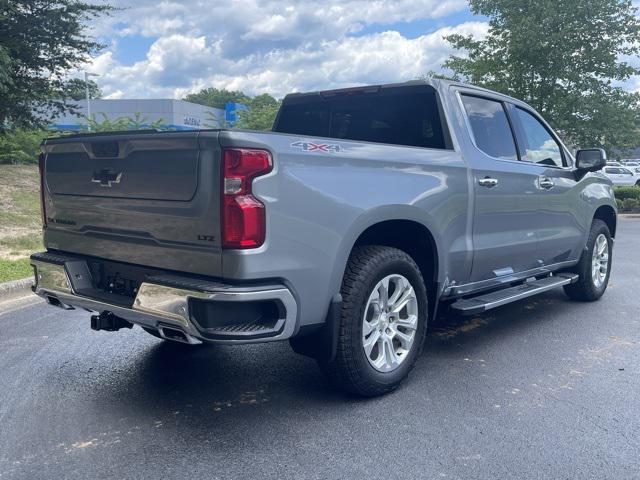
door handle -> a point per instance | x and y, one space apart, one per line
546 183
488 182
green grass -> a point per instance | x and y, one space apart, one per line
20 222
16 246
15 269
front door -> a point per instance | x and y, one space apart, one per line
560 232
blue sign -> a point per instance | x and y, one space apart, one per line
231 110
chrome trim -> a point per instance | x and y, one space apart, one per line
53 276
157 306
488 182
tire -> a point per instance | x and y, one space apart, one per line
638 183
590 287
353 369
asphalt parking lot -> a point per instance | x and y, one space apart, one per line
545 388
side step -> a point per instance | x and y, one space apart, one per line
482 303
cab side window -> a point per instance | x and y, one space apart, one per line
535 142
490 127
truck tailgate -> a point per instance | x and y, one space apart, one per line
145 198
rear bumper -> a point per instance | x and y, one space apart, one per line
173 303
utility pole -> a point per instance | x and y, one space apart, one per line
86 91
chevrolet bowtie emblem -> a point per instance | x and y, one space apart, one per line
106 178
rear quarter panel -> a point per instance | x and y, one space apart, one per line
318 203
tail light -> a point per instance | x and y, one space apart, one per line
243 216
43 210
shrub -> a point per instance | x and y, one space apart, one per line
623 193
630 204
21 146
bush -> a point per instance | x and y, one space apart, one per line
628 199
630 204
623 193
21 146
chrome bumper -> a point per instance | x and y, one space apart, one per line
160 306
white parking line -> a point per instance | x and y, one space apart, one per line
9 306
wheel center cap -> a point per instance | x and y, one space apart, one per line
384 321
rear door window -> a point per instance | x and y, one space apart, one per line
490 127
401 116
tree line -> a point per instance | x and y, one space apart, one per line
569 59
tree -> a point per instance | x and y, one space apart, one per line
40 42
76 89
21 146
567 58
261 113
215 98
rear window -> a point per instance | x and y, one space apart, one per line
490 127
401 116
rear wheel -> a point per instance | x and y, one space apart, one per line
594 267
383 321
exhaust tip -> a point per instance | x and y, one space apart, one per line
177 335
55 301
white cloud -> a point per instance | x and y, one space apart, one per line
293 49
274 46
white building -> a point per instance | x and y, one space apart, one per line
173 114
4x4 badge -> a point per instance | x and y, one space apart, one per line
317 147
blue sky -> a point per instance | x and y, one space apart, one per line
169 48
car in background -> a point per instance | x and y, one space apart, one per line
633 166
621 176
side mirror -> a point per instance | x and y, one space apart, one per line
591 159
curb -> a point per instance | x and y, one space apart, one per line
15 289
629 215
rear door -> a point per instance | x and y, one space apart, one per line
144 198
506 204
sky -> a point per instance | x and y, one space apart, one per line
169 48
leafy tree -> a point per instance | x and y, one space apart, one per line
76 89
261 114
21 146
263 100
40 42
215 98
259 117
567 58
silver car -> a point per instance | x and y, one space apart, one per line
621 176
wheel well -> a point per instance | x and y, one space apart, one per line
608 215
411 237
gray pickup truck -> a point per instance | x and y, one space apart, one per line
342 231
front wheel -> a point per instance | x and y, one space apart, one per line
594 267
383 321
